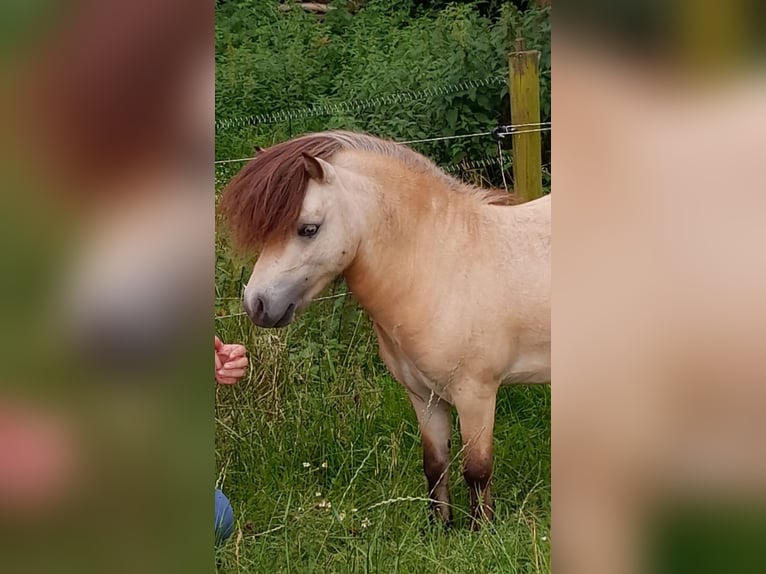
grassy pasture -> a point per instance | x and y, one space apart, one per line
319 452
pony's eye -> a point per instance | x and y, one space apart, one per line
308 230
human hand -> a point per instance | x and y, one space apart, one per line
230 362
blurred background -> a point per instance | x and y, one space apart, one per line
659 273
107 226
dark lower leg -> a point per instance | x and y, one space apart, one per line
477 419
435 428
478 476
436 467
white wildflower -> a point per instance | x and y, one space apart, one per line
366 523
306 465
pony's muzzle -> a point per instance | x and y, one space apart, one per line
269 313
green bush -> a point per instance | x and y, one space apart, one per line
394 68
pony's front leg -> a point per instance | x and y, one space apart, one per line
477 421
434 419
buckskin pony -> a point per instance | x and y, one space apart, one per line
456 278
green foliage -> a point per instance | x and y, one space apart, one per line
446 69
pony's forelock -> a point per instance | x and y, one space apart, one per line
263 201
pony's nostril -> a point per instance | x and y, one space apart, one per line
261 307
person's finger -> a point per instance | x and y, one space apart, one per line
230 378
235 350
218 362
239 373
218 344
226 380
239 363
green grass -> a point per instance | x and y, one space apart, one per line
318 451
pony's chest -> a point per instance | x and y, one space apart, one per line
417 370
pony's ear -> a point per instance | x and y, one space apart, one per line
318 169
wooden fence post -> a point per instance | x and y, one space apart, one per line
525 109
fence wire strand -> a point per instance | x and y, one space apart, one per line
316 110
532 127
355 105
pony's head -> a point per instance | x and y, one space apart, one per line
306 207
290 205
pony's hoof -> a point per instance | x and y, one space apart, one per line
435 525
482 517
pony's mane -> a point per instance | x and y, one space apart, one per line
264 200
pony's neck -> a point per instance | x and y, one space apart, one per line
415 235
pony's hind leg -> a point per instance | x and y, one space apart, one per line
434 419
477 421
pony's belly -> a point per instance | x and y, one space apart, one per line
529 368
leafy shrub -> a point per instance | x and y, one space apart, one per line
401 69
